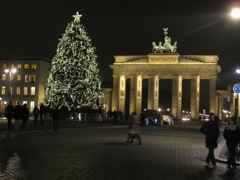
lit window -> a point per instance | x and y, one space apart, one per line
19 66
32 104
4 66
11 77
26 78
25 90
26 66
11 90
19 77
24 102
31 78
4 77
32 90
34 66
3 90
18 90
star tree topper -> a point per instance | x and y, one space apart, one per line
77 17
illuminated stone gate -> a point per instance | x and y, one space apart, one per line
164 63
158 66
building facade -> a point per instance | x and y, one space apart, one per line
23 80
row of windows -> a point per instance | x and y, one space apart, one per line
32 104
28 78
18 90
19 66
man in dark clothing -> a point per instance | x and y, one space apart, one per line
9 114
55 117
211 131
17 115
231 134
42 111
35 114
24 116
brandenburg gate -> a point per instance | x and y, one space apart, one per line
163 63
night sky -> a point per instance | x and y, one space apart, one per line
124 27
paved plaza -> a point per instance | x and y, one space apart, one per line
95 151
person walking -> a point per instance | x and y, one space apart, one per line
36 112
42 111
24 116
211 130
55 117
9 114
231 134
17 116
134 129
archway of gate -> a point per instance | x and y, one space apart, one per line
165 96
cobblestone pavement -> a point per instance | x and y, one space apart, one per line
95 151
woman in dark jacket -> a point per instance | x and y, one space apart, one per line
211 131
24 116
36 112
17 115
231 134
9 114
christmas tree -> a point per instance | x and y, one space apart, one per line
74 80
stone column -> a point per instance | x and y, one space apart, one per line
153 94
122 94
212 95
136 95
107 99
177 97
232 104
220 102
115 93
195 96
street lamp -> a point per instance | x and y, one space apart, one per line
238 71
10 71
235 13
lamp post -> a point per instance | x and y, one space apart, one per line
10 71
235 13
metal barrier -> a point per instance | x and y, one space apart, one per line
84 117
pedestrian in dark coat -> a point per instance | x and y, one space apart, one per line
211 130
9 114
55 117
17 115
134 129
231 134
24 116
35 114
42 111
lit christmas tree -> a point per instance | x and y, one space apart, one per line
74 80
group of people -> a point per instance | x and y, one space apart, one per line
42 112
231 134
19 113
21 116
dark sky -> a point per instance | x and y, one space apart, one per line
124 27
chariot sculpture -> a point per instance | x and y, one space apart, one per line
166 47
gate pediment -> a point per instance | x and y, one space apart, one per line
163 58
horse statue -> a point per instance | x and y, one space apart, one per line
160 47
155 48
173 48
